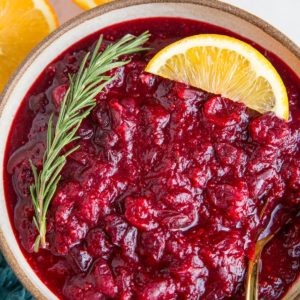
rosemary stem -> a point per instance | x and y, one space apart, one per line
40 220
78 102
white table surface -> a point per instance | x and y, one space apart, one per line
282 14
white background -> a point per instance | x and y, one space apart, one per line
282 14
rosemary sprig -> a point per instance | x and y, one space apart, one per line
76 106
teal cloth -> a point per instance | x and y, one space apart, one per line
10 287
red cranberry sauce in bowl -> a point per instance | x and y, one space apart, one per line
163 198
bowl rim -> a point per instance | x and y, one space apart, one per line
90 14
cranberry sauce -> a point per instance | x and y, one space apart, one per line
163 198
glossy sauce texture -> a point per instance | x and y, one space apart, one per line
162 201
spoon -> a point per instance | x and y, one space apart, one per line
252 281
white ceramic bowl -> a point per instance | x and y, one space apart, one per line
213 12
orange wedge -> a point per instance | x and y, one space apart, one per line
224 65
23 24
88 4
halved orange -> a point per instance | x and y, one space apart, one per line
88 4
23 24
224 65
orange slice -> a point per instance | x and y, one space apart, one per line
224 65
88 4
23 24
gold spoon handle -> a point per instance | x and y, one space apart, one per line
252 283
252 280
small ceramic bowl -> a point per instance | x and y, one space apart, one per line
213 12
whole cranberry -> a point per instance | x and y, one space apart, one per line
147 80
156 119
104 279
23 178
98 243
81 257
231 198
269 129
224 112
58 94
116 228
232 157
86 130
266 183
262 158
140 213
129 244
200 175
101 115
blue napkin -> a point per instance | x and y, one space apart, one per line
10 287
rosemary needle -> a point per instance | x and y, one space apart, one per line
77 104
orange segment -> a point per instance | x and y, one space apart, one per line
23 24
88 4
